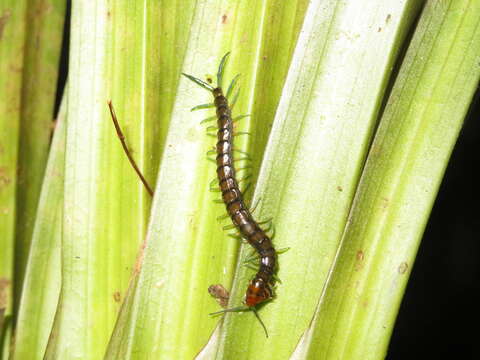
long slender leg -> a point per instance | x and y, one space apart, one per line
231 86
203 106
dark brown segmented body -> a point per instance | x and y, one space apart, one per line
259 289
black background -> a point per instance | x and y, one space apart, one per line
439 313
440 310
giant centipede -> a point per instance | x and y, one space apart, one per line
260 287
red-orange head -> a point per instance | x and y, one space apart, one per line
258 291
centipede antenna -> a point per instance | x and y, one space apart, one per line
231 86
221 68
125 149
260 320
200 82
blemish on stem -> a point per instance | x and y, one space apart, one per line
359 256
3 21
4 178
403 267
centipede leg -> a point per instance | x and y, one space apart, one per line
238 237
235 99
282 250
246 177
229 227
211 118
268 221
251 258
254 207
239 133
211 159
240 117
246 167
247 188
203 106
246 154
276 278
242 159
231 86
250 266
222 217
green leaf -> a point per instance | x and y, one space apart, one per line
418 130
12 32
43 44
316 150
105 206
41 287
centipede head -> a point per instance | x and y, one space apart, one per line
258 291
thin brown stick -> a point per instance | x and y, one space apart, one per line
125 148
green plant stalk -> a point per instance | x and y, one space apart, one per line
41 287
12 32
43 42
281 26
186 248
105 205
312 164
418 130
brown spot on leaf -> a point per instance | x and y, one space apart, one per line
389 16
117 296
4 290
224 18
402 268
3 20
359 256
4 178
339 188
385 203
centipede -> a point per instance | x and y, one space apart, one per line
260 288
